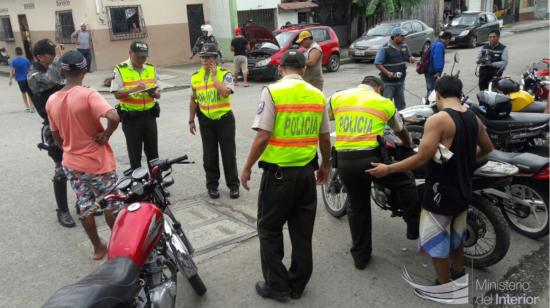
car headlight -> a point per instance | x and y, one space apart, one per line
263 62
352 46
464 33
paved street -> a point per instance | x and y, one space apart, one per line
38 256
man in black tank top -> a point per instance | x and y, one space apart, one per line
448 189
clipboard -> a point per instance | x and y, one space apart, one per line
147 89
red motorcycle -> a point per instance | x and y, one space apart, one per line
537 82
146 250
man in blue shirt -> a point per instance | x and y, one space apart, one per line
391 60
437 60
19 69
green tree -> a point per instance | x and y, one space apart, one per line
370 7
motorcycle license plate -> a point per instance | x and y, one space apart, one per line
360 53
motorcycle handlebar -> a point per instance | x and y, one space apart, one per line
177 160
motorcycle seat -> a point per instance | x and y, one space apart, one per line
536 107
112 284
526 162
515 120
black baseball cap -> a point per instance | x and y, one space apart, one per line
140 48
293 58
72 61
43 47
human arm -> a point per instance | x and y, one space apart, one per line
502 64
118 89
112 123
192 113
410 57
258 146
485 145
313 57
379 62
438 59
324 146
426 150
12 74
223 89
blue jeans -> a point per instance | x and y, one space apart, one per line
395 92
430 82
87 53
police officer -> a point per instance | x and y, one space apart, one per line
493 59
206 38
391 60
361 115
291 120
43 82
212 88
135 86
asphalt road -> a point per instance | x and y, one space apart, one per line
38 256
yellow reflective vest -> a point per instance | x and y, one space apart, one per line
130 78
210 102
298 115
360 115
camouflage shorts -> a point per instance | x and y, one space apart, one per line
88 187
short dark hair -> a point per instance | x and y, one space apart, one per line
449 86
497 32
446 35
373 81
19 51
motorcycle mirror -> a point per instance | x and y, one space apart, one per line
139 174
456 57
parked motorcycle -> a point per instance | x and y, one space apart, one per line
146 250
536 83
487 236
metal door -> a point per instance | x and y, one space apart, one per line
195 19
25 35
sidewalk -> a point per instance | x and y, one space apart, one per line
528 25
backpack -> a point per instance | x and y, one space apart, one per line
424 63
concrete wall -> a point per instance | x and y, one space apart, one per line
285 16
220 20
245 5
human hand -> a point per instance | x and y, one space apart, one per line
379 170
59 49
322 175
213 69
102 138
412 60
140 86
390 75
245 177
10 82
192 127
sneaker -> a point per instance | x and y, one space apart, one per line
27 110
234 193
266 291
214 193
32 111
65 219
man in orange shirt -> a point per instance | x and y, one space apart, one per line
74 113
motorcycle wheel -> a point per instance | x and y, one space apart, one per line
416 132
487 234
197 284
536 194
334 195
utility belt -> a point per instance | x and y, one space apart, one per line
127 115
343 156
279 171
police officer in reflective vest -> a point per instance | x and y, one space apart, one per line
212 88
291 121
135 86
361 115
45 80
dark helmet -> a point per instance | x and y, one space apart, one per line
208 50
494 105
72 61
43 47
507 85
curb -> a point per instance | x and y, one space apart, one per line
526 30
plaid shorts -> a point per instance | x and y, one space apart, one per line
88 187
440 234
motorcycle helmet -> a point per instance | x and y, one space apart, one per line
507 86
494 105
208 29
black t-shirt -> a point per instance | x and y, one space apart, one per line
239 45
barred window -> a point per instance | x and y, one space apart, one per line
64 26
126 22
6 33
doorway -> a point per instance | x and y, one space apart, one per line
25 35
195 19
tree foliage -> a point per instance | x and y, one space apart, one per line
370 7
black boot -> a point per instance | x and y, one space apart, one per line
412 229
60 192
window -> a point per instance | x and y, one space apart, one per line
64 26
126 22
319 35
417 27
407 27
6 33
491 18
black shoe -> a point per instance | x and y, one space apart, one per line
457 275
234 193
214 193
65 219
412 230
295 295
360 265
98 212
267 292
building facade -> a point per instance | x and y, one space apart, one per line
169 26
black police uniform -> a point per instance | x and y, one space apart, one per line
201 40
486 71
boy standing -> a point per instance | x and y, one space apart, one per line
20 67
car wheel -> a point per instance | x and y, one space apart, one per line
473 41
333 63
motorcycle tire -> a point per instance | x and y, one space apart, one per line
197 284
540 190
416 132
498 223
331 198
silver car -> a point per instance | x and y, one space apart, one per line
418 36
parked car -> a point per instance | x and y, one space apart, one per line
418 36
267 48
471 28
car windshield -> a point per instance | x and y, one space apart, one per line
464 20
283 38
381 30
267 45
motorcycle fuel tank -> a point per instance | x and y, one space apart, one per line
137 229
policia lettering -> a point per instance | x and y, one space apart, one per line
300 125
211 103
356 124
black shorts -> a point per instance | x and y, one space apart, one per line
24 86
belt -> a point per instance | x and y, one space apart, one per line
276 168
358 154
